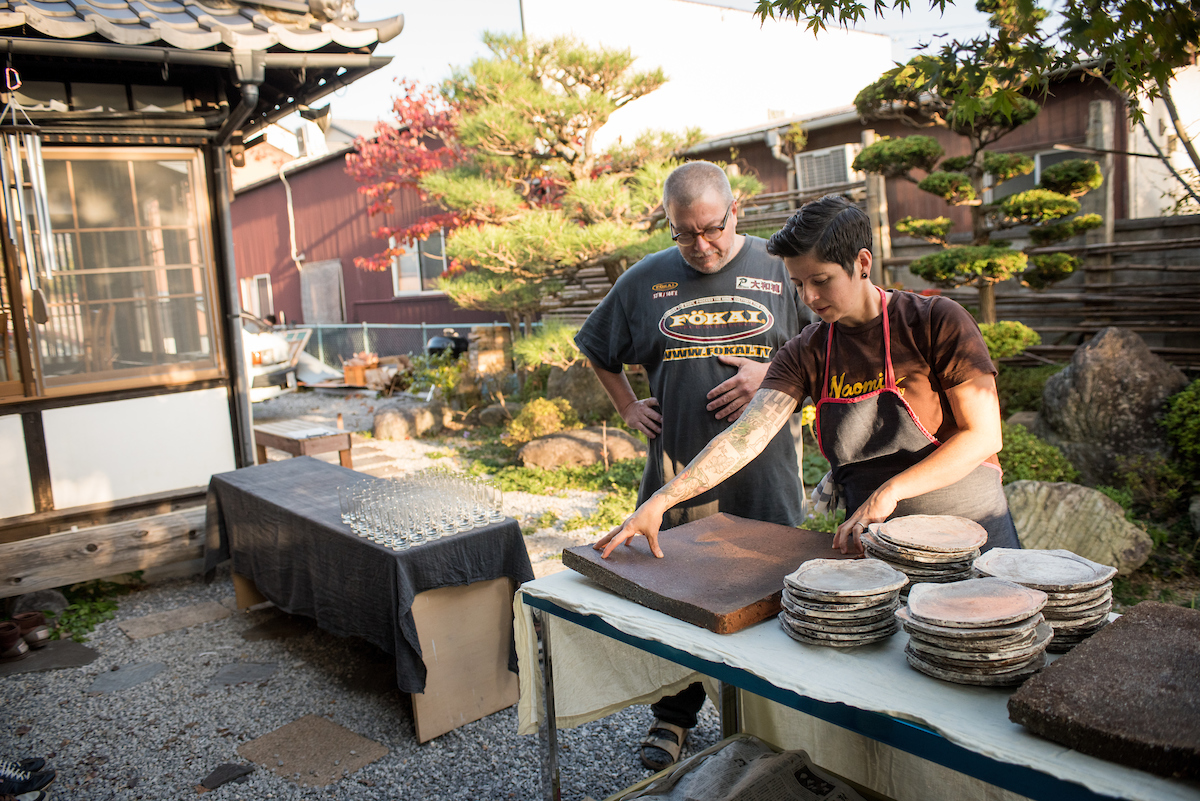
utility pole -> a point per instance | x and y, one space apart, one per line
521 8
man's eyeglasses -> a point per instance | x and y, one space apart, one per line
687 238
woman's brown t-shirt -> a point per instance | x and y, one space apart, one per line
936 345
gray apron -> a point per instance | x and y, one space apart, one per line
873 437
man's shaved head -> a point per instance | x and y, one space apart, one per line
690 182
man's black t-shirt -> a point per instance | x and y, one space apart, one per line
675 321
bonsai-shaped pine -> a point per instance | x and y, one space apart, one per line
926 93
525 195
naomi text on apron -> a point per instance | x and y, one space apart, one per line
870 438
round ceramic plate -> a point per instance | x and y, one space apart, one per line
817 629
1080 624
846 578
844 641
974 603
999 656
1079 598
1006 678
915 555
1093 609
861 615
1044 570
961 644
846 605
939 533
981 633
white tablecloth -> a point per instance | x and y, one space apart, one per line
595 675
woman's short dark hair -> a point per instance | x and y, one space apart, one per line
831 229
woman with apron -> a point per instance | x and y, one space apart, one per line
907 410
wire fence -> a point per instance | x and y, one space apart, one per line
334 344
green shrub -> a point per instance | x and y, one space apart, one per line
553 343
1008 338
442 370
827 522
539 418
612 511
1028 458
1064 229
813 467
953 187
1157 485
1021 388
623 474
1072 178
1003 166
956 265
936 229
1038 206
895 157
1182 422
1049 268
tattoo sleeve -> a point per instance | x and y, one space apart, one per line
734 448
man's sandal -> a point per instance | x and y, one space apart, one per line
664 741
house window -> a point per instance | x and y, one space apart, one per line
826 167
256 296
131 300
418 268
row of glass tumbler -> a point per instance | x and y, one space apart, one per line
402 512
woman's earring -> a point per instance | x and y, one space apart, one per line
864 275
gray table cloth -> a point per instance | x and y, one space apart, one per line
281 526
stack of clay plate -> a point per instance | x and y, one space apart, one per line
985 631
840 602
927 548
1079 590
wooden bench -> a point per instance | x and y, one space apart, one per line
301 439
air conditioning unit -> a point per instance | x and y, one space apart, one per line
827 167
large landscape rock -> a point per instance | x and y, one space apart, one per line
1107 403
580 447
1051 515
579 385
499 414
406 420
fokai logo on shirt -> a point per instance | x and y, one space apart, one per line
720 318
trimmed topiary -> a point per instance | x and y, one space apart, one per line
949 267
935 229
955 164
1181 419
1008 338
1049 268
953 187
1064 230
1006 165
1072 178
895 157
1037 206
1026 457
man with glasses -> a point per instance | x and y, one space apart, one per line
704 318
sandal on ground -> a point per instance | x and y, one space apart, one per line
660 749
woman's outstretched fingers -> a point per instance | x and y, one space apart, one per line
849 536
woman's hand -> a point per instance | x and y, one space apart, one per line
645 520
875 509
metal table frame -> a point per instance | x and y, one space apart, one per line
899 734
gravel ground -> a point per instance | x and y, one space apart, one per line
157 740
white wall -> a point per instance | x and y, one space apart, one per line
1148 177
726 69
102 452
16 497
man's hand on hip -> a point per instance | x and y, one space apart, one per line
729 398
641 416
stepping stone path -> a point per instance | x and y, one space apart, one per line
312 751
56 655
139 628
223 774
241 672
125 677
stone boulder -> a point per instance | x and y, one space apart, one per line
1051 515
580 447
499 414
579 385
406 420
1107 403
51 601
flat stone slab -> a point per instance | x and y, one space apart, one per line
241 672
280 628
1129 694
139 628
56 655
223 774
723 573
125 677
312 751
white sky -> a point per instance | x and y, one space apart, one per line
438 34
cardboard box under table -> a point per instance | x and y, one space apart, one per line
443 608
862 713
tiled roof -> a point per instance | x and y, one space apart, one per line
195 25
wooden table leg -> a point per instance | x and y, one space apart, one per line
262 453
345 458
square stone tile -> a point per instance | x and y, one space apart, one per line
125 677
55 655
241 672
312 751
184 617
